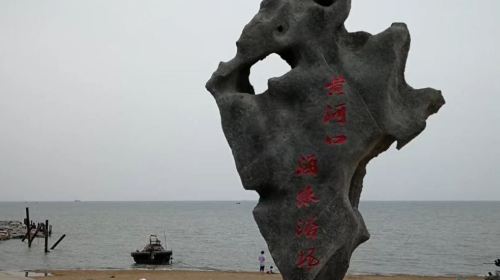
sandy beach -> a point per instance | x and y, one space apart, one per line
191 275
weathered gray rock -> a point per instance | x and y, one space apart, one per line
304 144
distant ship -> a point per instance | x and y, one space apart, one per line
153 253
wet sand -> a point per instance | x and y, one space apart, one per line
194 275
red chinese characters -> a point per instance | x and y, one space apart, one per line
307 259
336 140
306 197
308 166
307 228
336 86
338 115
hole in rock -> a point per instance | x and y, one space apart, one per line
280 28
325 3
271 67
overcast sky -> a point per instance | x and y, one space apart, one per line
105 99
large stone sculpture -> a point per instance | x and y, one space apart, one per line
304 144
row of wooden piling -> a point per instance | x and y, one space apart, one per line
47 231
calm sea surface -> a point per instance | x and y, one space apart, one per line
427 238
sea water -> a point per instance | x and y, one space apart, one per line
417 238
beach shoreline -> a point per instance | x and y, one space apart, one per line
209 275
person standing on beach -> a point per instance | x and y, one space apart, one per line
262 261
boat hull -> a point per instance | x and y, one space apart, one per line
155 258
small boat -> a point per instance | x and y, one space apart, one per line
153 253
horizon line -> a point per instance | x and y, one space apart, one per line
235 200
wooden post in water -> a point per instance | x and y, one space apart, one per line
28 226
58 241
33 237
46 236
24 237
